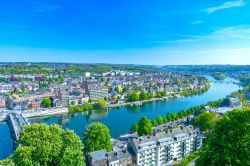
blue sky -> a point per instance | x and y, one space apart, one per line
130 31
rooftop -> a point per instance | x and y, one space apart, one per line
160 137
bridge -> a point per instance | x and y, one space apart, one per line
17 119
16 122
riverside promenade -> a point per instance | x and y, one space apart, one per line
136 102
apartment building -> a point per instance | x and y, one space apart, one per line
98 92
166 147
160 149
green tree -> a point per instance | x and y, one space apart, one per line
72 103
159 119
229 142
158 94
124 89
96 137
143 96
46 103
205 121
182 113
154 122
151 84
101 104
41 144
117 90
134 128
150 95
171 116
133 97
144 126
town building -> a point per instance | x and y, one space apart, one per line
166 147
98 92
64 95
87 74
35 104
229 104
159 149
2 102
121 157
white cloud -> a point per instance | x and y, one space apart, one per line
227 34
197 22
226 5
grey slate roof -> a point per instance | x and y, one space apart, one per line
98 155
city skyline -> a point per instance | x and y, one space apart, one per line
157 33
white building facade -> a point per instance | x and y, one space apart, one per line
164 148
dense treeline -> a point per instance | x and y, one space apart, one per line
81 108
171 116
190 92
70 68
229 142
209 68
95 105
134 96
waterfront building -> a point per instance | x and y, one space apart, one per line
229 104
232 102
98 92
160 149
166 147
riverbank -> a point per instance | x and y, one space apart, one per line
181 94
136 102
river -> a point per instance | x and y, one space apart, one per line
119 120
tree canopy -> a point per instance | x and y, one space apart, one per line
46 103
96 137
41 144
101 104
143 96
134 128
205 121
133 97
144 126
229 142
